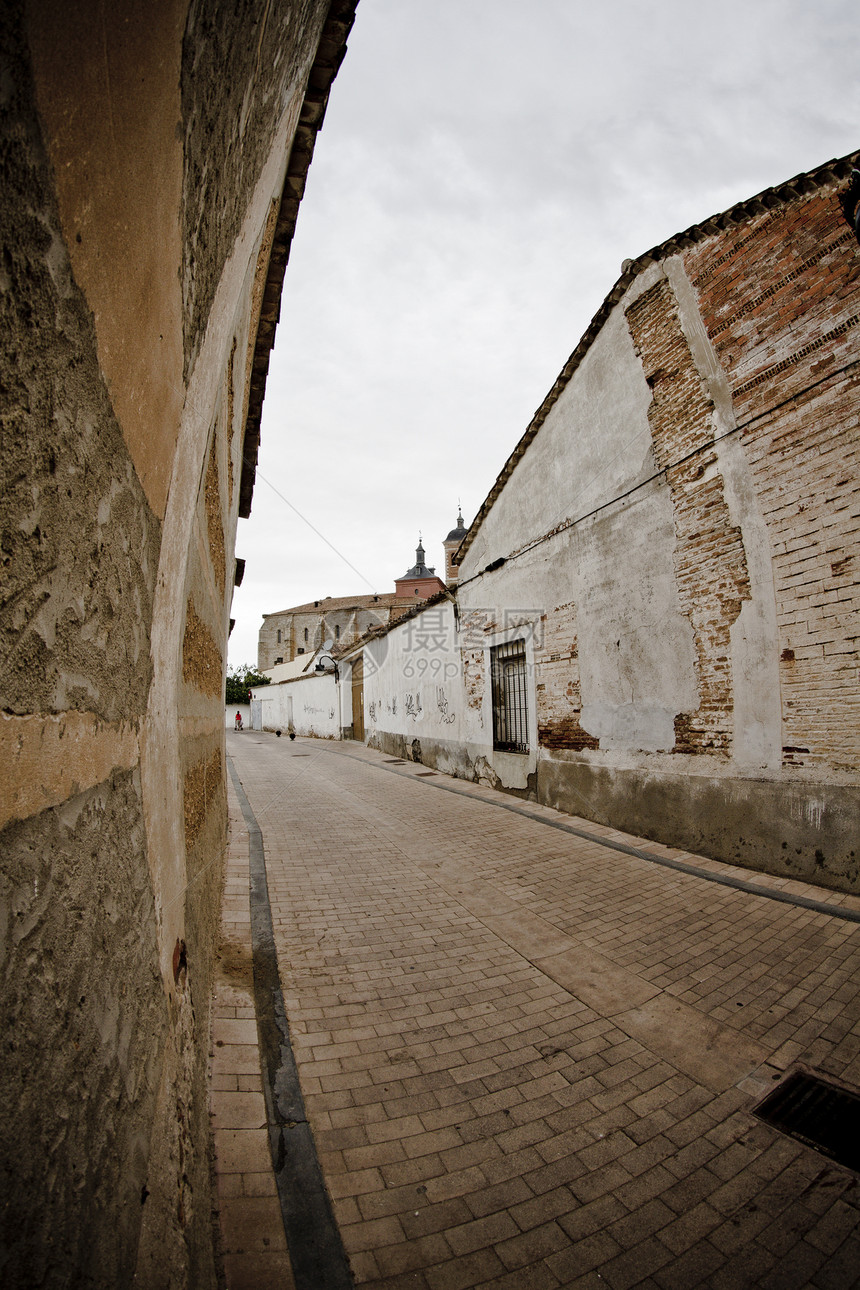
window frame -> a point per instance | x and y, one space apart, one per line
509 687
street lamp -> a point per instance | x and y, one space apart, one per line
321 668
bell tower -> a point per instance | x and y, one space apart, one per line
451 543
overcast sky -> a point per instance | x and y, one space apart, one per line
484 168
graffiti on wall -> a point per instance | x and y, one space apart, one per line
442 704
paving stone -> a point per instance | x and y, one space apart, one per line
694 1267
529 1247
253 1271
481 1233
634 1264
690 1228
435 1217
464 1273
841 1269
478 1124
412 1256
745 1269
537 1277
591 1252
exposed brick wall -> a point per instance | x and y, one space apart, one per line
710 560
473 626
807 467
559 702
780 300
770 289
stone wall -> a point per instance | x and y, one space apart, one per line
305 628
143 165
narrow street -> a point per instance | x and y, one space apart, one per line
528 1055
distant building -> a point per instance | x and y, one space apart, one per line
305 628
451 545
419 582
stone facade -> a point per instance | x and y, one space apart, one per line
305 628
151 171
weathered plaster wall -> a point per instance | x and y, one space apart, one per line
139 199
413 684
683 526
230 715
425 697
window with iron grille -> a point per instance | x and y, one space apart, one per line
510 701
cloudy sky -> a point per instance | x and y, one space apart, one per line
484 168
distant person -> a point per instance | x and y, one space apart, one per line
238 722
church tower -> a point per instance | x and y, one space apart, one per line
451 543
419 580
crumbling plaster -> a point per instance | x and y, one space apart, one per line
634 644
755 666
695 569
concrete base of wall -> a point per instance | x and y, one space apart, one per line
505 771
461 761
796 830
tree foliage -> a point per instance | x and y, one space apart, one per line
239 682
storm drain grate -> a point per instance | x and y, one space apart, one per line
819 1114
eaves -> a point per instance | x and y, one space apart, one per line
329 56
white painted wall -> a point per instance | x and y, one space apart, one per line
413 682
230 715
310 704
616 562
592 470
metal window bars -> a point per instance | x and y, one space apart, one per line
510 697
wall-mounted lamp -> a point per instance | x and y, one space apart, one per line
321 667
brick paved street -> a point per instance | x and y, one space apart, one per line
529 1059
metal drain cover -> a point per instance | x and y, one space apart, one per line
820 1114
